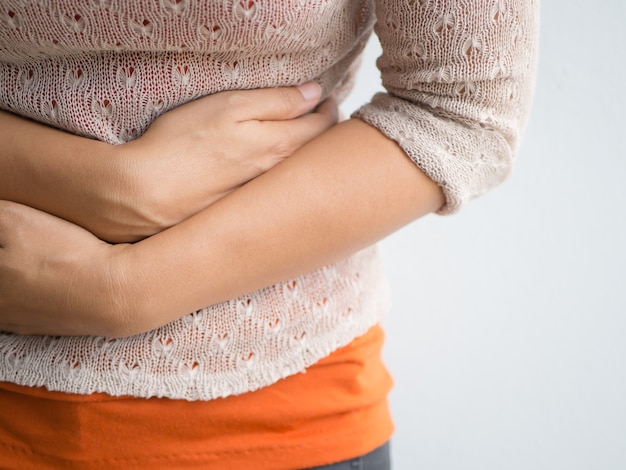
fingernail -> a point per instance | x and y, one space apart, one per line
311 91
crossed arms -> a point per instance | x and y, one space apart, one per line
346 188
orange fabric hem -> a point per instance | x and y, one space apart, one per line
279 457
335 411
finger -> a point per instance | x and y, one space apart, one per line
330 107
285 137
270 104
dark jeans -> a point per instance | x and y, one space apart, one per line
378 459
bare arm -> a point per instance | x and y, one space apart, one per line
347 189
336 195
456 112
57 172
189 158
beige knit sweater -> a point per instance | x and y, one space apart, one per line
459 75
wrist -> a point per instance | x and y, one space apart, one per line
118 296
136 300
130 305
142 191
81 180
107 199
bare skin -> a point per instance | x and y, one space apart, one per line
189 158
344 190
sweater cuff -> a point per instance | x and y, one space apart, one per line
464 158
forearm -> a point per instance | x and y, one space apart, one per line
340 193
189 158
59 173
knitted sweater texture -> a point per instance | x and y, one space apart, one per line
459 77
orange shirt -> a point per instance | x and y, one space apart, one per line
335 411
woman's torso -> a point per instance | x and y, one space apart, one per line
106 69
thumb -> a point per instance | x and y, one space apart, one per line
310 91
275 104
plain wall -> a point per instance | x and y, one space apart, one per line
507 339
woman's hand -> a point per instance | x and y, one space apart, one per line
189 158
54 276
334 196
199 152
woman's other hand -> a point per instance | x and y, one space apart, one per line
196 154
55 277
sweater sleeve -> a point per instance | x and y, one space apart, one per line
459 76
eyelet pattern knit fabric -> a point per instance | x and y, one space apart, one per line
459 76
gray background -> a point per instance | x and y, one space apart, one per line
507 336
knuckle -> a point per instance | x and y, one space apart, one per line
235 104
283 148
286 100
